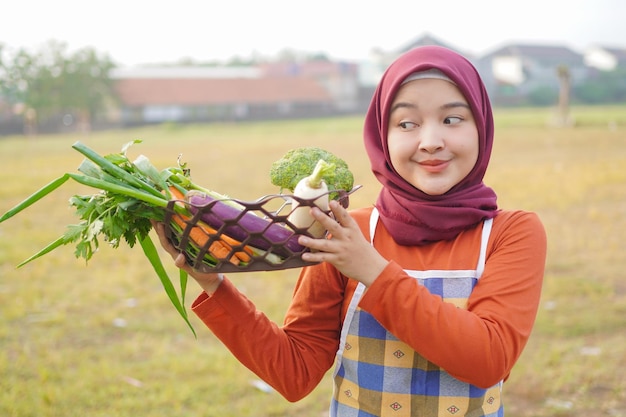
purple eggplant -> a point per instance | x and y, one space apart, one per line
244 226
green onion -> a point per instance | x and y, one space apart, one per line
36 196
119 189
130 195
113 169
153 256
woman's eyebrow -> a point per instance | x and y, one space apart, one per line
408 105
402 105
455 104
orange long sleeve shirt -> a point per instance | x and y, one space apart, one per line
478 345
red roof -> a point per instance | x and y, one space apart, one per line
206 91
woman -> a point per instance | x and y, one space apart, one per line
423 302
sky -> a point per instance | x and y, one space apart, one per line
137 32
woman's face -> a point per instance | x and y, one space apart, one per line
432 136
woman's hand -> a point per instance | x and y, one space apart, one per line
346 249
208 281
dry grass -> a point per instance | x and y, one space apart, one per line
103 340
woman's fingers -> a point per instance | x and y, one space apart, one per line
332 224
180 261
338 227
159 228
341 215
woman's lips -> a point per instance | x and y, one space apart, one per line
434 165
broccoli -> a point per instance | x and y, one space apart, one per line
300 162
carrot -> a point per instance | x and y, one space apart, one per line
244 256
199 234
200 237
176 193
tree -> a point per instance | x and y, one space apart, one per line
603 87
51 82
86 85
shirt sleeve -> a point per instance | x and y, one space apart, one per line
291 358
480 344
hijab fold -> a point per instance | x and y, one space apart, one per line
412 216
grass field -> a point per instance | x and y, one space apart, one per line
103 340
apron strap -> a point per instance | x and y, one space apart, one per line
373 222
354 302
480 267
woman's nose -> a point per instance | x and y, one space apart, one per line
430 139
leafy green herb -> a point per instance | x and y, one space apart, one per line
131 194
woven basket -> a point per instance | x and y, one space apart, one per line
241 249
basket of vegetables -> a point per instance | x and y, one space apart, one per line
229 235
221 234
215 232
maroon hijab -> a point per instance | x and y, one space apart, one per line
412 216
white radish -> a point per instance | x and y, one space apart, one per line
312 188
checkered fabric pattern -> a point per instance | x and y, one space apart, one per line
378 375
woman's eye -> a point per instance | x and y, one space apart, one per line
451 120
407 125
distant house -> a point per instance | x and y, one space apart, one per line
426 40
216 94
339 78
514 71
384 59
371 71
605 58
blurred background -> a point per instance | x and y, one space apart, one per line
68 67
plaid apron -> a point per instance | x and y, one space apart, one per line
378 375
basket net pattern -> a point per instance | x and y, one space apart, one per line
255 236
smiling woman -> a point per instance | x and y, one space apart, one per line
424 301
432 135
